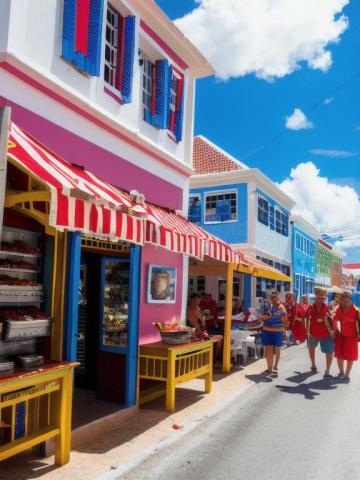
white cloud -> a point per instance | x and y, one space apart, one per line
356 128
325 204
268 38
328 100
332 153
298 121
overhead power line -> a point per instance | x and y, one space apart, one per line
335 90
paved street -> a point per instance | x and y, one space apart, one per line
298 426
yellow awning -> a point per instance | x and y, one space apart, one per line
256 268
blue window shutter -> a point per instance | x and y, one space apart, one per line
178 128
90 63
159 118
162 92
128 59
92 60
68 34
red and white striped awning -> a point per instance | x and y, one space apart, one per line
173 232
80 201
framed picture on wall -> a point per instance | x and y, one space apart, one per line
161 284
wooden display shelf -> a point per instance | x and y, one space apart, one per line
18 270
19 254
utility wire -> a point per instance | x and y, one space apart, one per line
310 109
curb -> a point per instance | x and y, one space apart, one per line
133 462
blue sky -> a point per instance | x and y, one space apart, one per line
242 114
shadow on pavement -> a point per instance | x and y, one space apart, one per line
300 377
307 389
259 378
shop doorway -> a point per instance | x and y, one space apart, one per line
103 313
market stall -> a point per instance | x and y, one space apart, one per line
50 206
35 391
244 265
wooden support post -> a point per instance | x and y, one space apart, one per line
228 319
170 384
63 440
209 375
5 115
58 306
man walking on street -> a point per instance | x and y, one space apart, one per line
319 330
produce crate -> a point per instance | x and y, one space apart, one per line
20 294
15 329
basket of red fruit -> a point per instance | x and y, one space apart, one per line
174 333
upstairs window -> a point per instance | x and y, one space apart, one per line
194 215
221 207
176 104
119 53
155 91
284 224
162 96
272 217
297 241
263 211
278 221
112 43
147 84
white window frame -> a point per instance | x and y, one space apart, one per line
113 45
220 192
148 78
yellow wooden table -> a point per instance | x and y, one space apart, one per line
35 406
172 365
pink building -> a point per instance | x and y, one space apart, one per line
109 87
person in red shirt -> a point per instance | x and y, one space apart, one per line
346 334
319 330
295 313
208 307
305 302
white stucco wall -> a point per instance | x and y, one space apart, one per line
272 242
4 24
34 101
34 37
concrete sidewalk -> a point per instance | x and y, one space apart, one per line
121 441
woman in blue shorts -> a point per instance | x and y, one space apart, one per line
274 321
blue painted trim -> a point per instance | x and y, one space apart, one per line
72 295
247 291
133 326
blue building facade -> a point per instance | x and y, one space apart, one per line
304 251
221 210
247 210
